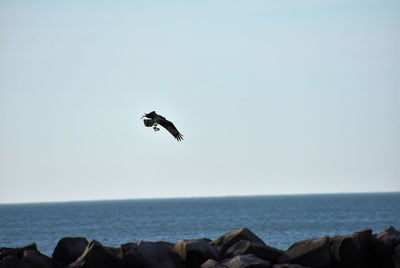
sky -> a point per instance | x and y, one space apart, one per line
272 97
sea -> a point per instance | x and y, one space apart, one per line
279 220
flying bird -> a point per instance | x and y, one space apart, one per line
155 119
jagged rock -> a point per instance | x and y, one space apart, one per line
288 265
69 249
241 261
16 252
390 236
396 256
130 256
240 249
116 252
195 251
260 250
37 260
229 239
97 256
150 255
212 264
246 261
13 262
351 250
379 254
313 252
31 246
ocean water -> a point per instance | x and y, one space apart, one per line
278 220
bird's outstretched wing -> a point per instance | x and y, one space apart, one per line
171 128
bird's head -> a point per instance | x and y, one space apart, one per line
149 115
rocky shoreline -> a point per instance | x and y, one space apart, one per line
237 249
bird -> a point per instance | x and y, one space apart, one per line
156 119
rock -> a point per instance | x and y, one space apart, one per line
396 256
313 252
69 249
16 252
130 255
37 260
260 250
12 262
116 252
229 239
246 261
150 255
97 256
390 236
351 250
212 264
379 254
288 265
195 251
12 257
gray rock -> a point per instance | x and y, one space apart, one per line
396 257
195 251
130 255
288 265
379 254
37 260
116 252
246 261
212 264
351 250
13 262
97 256
224 242
16 252
69 249
390 236
260 250
150 255
314 252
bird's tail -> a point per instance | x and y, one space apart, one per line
148 122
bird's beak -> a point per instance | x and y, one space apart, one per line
143 116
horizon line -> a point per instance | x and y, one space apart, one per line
193 197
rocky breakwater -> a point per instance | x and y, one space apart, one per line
238 249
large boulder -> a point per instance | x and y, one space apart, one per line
241 261
390 236
12 262
97 256
288 265
37 260
246 261
396 256
224 242
314 253
381 248
351 250
69 249
130 255
195 251
16 252
212 264
260 250
379 254
150 255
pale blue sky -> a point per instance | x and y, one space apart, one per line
273 97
